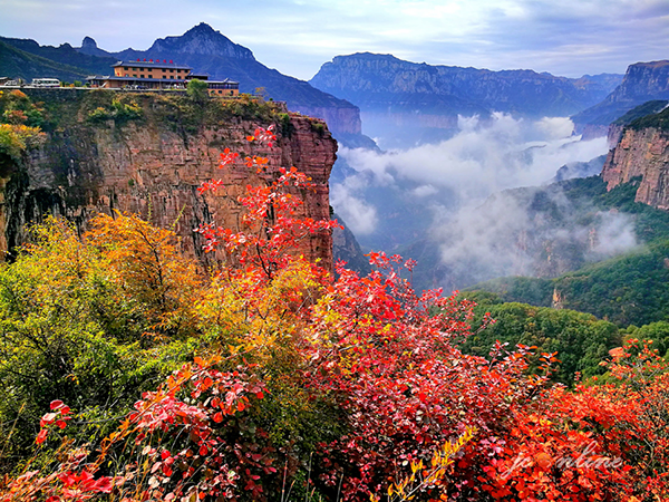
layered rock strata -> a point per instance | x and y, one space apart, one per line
641 153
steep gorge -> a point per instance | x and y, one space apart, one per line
152 164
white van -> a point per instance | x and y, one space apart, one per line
45 82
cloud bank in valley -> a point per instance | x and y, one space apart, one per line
479 160
531 232
446 190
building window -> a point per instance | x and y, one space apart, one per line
171 70
164 76
125 68
141 76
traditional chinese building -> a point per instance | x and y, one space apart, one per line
157 74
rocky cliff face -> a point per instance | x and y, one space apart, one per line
153 166
641 152
642 82
345 247
343 121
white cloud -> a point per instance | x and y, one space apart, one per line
482 158
447 183
424 191
360 217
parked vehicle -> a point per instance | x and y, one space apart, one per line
45 82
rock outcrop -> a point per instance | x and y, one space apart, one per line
642 82
90 46
153 166
641 152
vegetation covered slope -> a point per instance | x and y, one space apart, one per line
297 385
629 289
15 62
580 340
648 108
659 120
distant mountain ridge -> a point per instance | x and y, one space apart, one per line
27 59
381 80
201 39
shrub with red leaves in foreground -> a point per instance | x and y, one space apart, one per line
356 389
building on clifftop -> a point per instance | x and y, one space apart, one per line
157 74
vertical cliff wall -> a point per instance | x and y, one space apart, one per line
148 154
642 151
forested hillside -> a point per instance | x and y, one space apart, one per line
629 289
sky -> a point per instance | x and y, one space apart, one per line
567 37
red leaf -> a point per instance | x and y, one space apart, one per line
56 404
41 437
104 485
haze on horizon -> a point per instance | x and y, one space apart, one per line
569 38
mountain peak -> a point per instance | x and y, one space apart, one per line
89 43
90 46
201 39
202 28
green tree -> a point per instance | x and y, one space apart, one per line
580 340
93 322
197 90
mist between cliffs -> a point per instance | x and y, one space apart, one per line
457 207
